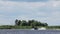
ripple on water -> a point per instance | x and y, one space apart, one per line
18 31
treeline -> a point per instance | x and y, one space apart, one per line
23 24
29 23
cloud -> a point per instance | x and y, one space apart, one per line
56 13
25 4
43 11
30 0
27 0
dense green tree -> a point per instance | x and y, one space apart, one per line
31 22
19 22
24 23
45 24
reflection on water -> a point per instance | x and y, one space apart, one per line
18 31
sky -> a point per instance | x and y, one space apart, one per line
46 11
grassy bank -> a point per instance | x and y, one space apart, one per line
18 27
27 27
53 27
15 27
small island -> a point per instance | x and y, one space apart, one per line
23 24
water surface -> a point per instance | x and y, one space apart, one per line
19 31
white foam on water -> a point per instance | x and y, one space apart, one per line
42 28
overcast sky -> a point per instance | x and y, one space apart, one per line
42 10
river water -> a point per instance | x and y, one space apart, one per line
18 31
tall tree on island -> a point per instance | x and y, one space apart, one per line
16 22
19 22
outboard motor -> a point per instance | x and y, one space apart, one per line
35 28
